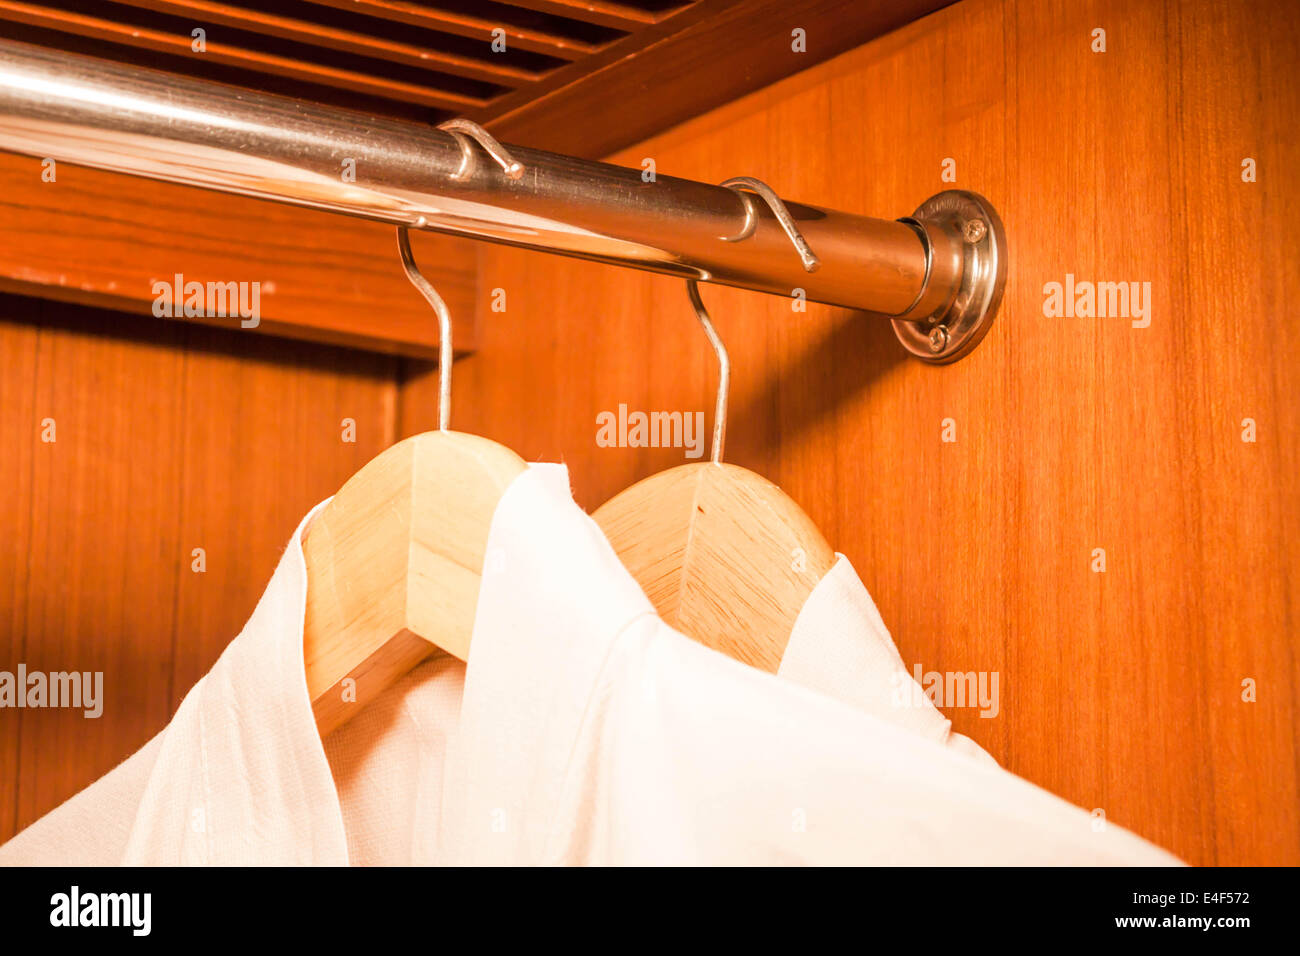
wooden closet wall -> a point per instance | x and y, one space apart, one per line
1120 690
168 438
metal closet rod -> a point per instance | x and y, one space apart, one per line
126 119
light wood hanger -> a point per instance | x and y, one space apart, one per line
394 560
725 556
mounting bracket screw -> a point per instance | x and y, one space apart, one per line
970 235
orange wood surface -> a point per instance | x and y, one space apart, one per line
1122 690
168 437
574 77
705 56
232 55
101 239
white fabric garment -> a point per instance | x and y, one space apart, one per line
584 730
841 647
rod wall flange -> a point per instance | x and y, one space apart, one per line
964 226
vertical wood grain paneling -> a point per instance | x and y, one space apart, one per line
19 437
102 515
1122 690
1094 139
1238 98
169 437
262 443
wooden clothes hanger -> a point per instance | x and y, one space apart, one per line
725 556
394 561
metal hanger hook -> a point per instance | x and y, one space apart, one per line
462 128
810 261
444 325
724 370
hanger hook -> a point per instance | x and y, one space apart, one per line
444 326
459 128
724 369
810 261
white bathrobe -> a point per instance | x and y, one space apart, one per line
584 730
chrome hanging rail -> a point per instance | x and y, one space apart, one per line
937 273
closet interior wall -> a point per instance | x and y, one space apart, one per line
167 438
1120 690
152 470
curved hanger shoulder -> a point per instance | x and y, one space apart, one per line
394 564
725 556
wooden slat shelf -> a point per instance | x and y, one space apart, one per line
478 20
396 44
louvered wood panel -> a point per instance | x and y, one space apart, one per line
424 61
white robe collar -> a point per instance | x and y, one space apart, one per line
242 773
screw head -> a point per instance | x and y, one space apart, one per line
938 338
974 230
